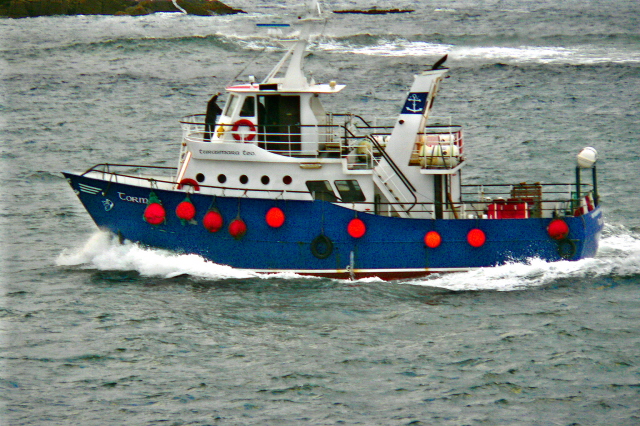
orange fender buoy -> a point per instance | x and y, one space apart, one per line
432 239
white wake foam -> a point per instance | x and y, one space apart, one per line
388 48
619 255
546 54
103 252
519 54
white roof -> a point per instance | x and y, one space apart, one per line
316 88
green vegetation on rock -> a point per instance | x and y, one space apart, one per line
32 8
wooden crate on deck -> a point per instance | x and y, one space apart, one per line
531 193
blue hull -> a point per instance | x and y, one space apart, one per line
391 247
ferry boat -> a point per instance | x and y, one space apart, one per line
279 184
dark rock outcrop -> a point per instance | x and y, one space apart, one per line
374 11
32 8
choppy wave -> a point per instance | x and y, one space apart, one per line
547 54
377 46
145 44
470 48
238 33
619 256
464 48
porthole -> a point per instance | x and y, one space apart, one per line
287 180
244 179
200 177
222 178
265 180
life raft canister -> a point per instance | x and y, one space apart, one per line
248 137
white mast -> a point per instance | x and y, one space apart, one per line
175 3
294 77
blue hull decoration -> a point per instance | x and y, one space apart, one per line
274 183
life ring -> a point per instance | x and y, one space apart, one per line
566 248
321 246
243 123
191 182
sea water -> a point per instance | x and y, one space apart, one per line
95 332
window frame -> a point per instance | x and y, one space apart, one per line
327 195
353 194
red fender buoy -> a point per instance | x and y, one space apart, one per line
212 220
186 210
476 238
237 228
275 217
432 239
154 214
356 228
558 229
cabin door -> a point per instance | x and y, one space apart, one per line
279 120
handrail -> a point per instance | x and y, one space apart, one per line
512 184
551 206
361 119
173 182
137 166
397 171
496 191
393 165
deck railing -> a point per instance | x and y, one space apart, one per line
438 146
497 201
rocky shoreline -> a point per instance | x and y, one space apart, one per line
33 8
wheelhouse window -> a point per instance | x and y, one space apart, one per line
231 105
321 190
248 107
350 191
